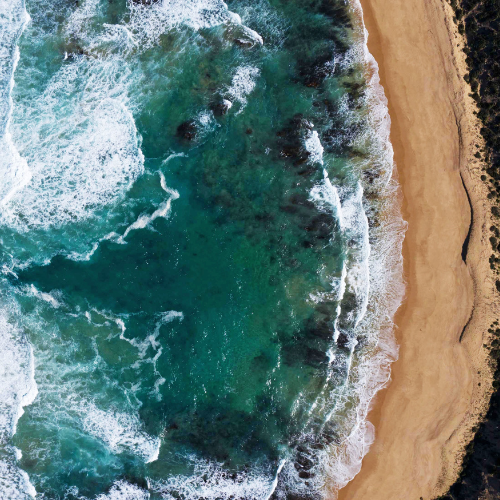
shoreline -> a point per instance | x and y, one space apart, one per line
424 418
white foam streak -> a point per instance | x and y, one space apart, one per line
86 256
172 156
150 341
89 160
369 369
342 288
46 297
162 211
122 432
14 171
251 34
209 480
275 481
18 389
122 490
242 84
355 224
149 22
326 197
315 148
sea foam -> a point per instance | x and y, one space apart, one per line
381 245
242 84
78 154
14 170
149 22
211 481
122 432
314 147
18 389
375 265
162 211
81 159
122 490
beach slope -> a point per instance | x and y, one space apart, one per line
440 383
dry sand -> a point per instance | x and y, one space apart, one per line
441 382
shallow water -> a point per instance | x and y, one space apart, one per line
188 190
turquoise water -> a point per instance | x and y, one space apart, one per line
185 246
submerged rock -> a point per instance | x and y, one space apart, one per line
244 37
221 108
246 44
322 226
337 11
146 2
304 461
291 142
343 341
188 130
314 73
302 200
319 328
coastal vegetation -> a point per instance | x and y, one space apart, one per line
479 22
480 473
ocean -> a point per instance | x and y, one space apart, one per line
200 248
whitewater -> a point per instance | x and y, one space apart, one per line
201 248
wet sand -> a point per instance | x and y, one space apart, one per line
440 383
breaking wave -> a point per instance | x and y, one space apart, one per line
82 156
121 432
380 272
76 156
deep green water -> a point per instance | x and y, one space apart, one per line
184 245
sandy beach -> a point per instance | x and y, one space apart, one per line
441 383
